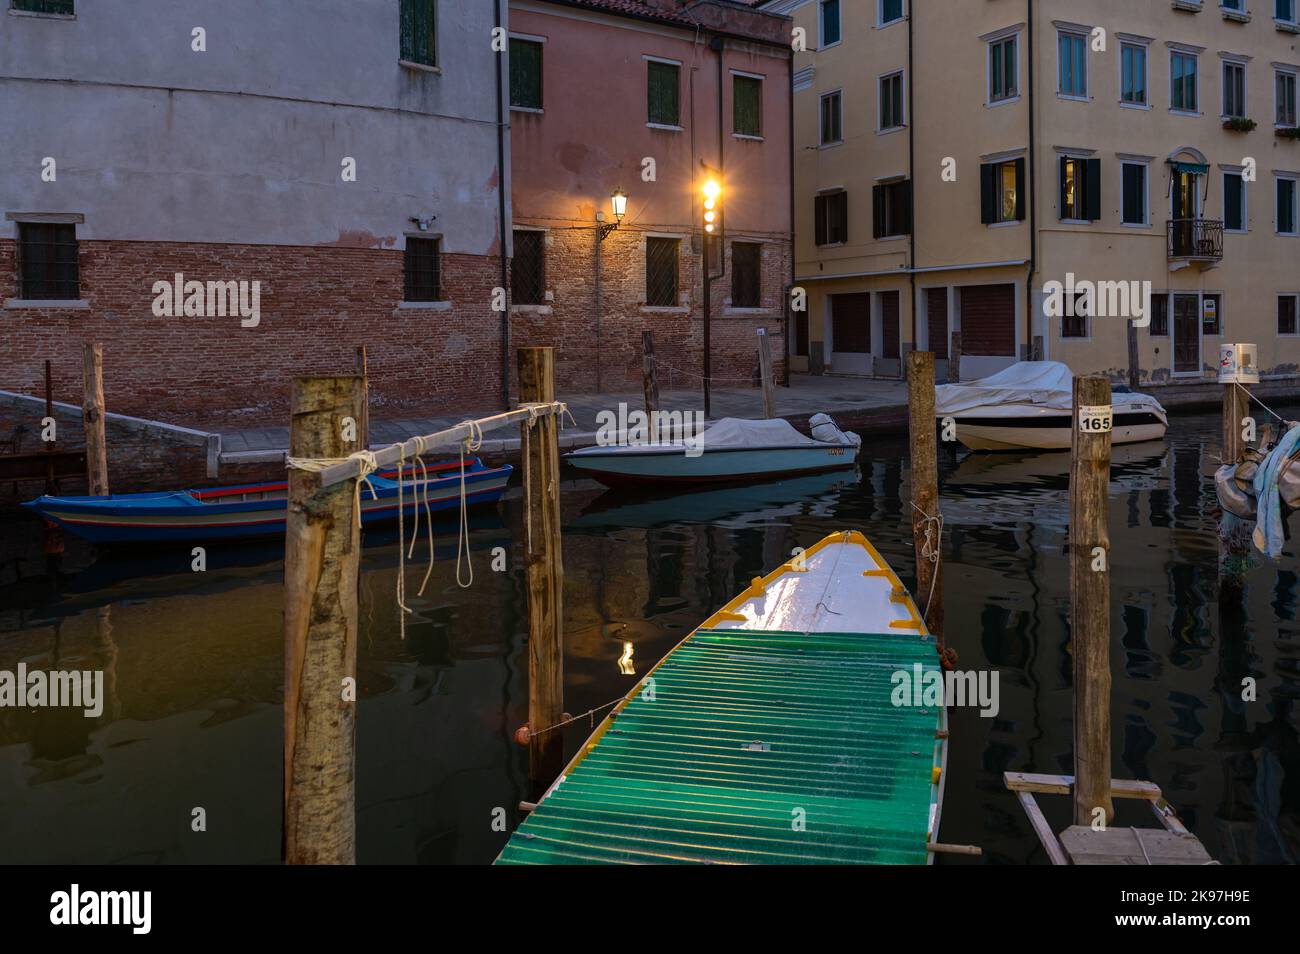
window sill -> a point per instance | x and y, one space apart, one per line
1236 231
66 304
531 310
1287 234
1194 114
1003 225
419 67
1075 339
665 309
891 238
831 145
890 130
995 103
665 127
424 306
1236 16
1075 221
1284 27
1144 107
1141 226
527 109
1071 97
1188 6
41 16
748 312
747 137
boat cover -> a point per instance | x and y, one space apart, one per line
1048 384
1268 533
725 433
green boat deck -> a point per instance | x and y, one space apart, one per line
752 747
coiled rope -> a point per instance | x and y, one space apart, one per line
931 548
367 466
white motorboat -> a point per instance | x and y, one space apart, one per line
1028 406
729 450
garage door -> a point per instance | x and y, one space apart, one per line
936 308
851 333
988 320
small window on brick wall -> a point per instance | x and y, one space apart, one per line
528 269
661 272
47 261
746 274
65 7
423 270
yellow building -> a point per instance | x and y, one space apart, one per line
955 158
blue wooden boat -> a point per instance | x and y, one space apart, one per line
255 510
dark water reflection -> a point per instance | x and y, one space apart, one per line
194 662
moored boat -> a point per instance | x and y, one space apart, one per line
771 735
1028 406
729 450
254 510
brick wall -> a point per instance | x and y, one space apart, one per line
569 324
317 305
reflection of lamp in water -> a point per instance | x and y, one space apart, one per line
625 664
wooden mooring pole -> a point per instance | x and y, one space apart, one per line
1235 408
363 425
545 573
765 374
925 487
1089 541
92 419
649 379
321 560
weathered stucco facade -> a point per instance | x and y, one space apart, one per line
233 163
591 135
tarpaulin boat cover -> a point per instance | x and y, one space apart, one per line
725 434
1046 384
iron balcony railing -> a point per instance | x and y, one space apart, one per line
1196 238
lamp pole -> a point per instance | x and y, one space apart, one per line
618 205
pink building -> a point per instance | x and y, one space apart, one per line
636 95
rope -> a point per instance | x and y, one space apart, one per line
471 444
931 550
366 460
590 713
401 550
1261 403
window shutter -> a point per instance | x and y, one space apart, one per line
905 207
1092 194
1020 190
842 223
819 220
1065 209
988 193
877 211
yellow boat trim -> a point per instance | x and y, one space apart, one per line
728 614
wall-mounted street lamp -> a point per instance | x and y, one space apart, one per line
617 204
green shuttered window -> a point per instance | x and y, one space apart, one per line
65 7
747 106
662 93
526 74
419 31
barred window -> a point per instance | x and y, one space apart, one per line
528 269
746 274
1076 325
661 271
747 103
1286 315
47 261
662 102
419 31
423 270
526 74
1160 320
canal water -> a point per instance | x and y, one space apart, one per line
193 661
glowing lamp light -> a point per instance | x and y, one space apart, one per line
618 202
711 189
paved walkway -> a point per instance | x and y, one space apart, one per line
806 395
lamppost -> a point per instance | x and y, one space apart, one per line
618 205
712 193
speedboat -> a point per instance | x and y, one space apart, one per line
729 450
254 510
1029 405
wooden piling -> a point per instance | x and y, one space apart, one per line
545 574
363 425
925 485
954 358
765 374
649 379
321 561
92 419
1235 408
1089 542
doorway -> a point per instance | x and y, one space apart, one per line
1187 334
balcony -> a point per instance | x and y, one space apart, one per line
1195 241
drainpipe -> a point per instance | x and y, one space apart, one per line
1033 189
502 223
786 311
911 182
